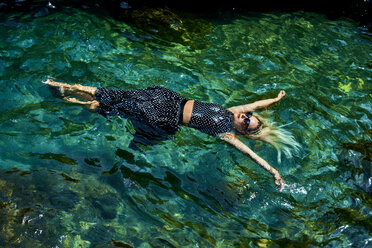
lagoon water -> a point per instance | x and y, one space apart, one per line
68 177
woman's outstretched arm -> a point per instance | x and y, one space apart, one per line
234 141
257 105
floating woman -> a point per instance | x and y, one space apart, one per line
165 110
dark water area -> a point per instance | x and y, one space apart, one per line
69 178
358 10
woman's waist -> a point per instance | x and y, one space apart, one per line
186 109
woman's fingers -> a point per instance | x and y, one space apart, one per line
281 94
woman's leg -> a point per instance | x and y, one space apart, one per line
85 92
91 105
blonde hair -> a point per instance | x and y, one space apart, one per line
281 139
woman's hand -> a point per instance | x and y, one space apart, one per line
281 95
279 181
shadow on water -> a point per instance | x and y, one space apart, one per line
212 194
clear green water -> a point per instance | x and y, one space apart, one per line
68 178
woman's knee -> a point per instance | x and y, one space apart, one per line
93 105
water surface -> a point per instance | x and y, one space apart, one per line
69 179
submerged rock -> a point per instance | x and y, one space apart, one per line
357 158
107 205
25 215
99 234
42 12
167 24
75 241
64 200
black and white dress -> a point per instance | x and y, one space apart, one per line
211 118
155 106
161 109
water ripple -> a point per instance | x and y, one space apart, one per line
69 177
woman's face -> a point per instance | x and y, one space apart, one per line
240 124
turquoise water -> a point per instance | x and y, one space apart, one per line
69 179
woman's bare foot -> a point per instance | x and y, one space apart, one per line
56 88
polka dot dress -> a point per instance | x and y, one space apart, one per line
155 105
211 118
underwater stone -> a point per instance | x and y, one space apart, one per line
106 212
107 205
3 65
361 176
121 244
26 43
98 234
145 245
4 193
42 12
75 241
125 5
64 200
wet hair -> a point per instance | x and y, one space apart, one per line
282 140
